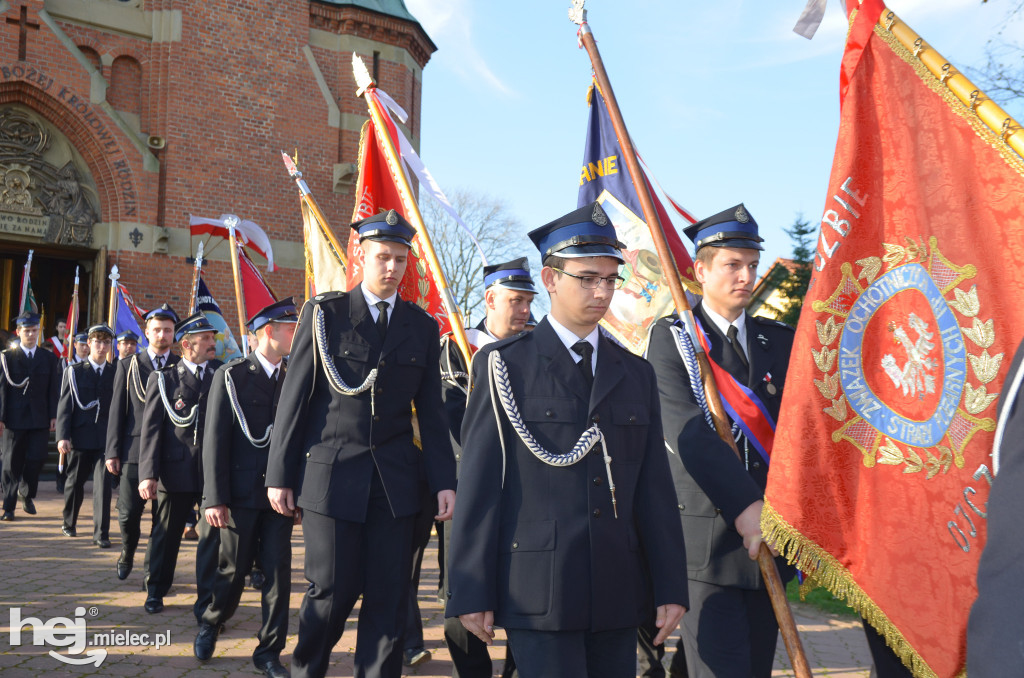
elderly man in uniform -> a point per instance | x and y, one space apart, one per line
508 293
124 427
343 452
239 426
29 390
565 498
731 629
82 413
170 463
127 345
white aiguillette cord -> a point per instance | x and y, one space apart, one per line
501 392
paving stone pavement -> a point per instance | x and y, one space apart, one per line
45 575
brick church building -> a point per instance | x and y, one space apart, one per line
120 118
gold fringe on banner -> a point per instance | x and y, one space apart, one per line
823 569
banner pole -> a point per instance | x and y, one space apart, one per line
366 90
196 272
310 202
773 582
232 221
73 328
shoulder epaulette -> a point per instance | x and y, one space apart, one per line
233 362
772 322
328 296
414 305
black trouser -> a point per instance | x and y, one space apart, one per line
80 465
729 632
420 538
267 535
887 664
172 510
343 560
207 558
24 452
574 654
130 507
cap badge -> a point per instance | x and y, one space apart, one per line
599 217
392 218
741 215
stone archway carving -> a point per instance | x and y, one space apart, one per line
44 182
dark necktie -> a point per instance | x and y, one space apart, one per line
199 373
585 350
273 377
382 318
98 371
737 351
159 362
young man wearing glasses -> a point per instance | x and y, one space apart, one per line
564 492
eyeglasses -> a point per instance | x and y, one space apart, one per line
591 282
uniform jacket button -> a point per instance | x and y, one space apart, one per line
347 352
307 455
383 363
597 513
380 389
756 464
413 359
718 511
515 544
632 419
373 448
682 507
376 417
549 413
597 480
596 419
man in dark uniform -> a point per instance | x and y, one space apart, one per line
564 488
995 630
239 424
86 392
127 345
170 462
29 389
508 293
124 427
731 629
343 445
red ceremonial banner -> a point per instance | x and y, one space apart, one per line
881 467
376 192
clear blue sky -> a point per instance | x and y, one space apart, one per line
724 101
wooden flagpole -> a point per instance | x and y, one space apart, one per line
232 222
314 209
765 560
366 87
73 327
112 309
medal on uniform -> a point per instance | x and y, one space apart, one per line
180 405
770 387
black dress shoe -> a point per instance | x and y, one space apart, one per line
102 543
68 531
206 641
124 564
8 516
154 605
272 668
28 505
257 579
416 655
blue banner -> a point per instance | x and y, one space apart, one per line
227 347
125 320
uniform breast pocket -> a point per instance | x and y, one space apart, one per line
631 423
527 564
350 350
550 410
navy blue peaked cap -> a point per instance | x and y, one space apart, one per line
128 335
101 327
513 275
283 311
733 227
194 324
27 319
163 311
387 226
584 232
